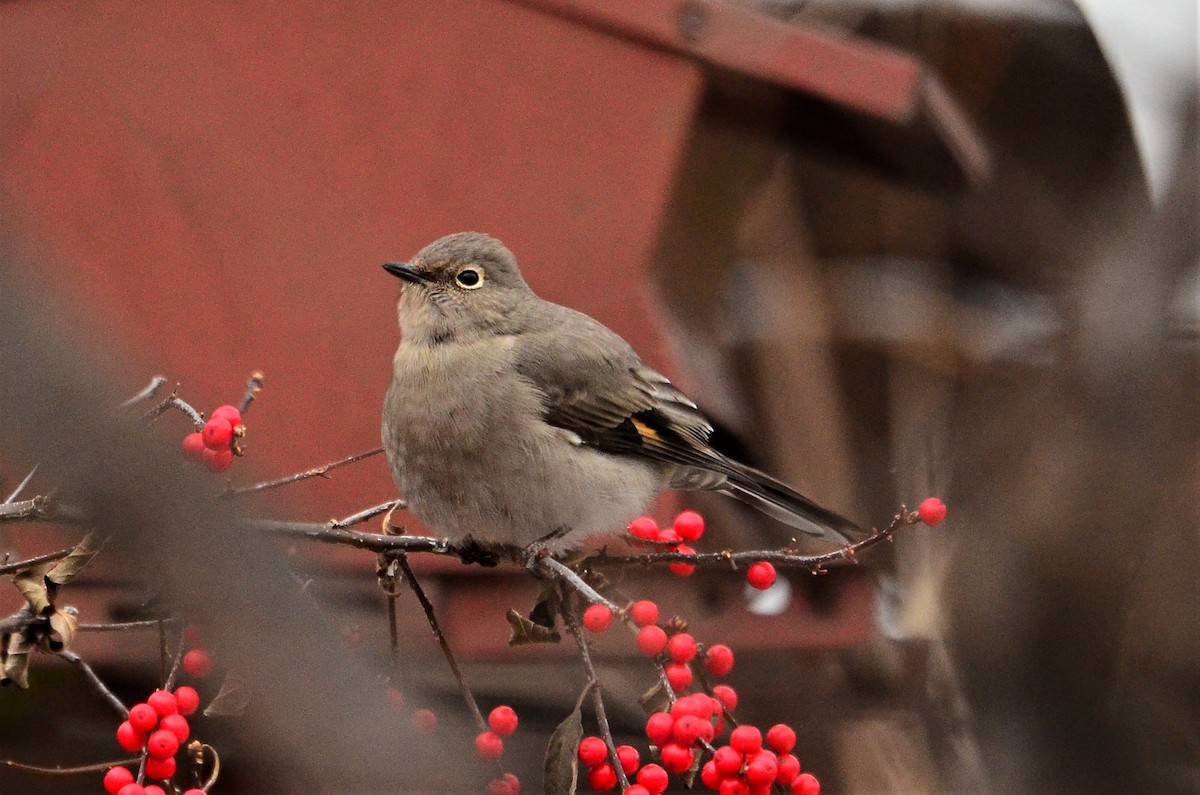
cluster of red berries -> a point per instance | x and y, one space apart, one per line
593 753
159 727
215 444
688 526
681 648
502 721
745 767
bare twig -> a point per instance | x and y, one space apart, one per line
122 626
8 568
253 385
175 402
97 683
375 542
95 767
369 513
173 674
427 606
572 622
316 472
21 486
558 569
155 384
40 509
18 621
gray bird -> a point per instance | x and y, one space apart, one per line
512 421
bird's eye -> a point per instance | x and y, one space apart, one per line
469 278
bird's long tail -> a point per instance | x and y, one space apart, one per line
764 493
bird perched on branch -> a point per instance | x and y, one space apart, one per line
512 421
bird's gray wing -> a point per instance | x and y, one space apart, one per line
595 386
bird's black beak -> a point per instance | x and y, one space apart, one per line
406 272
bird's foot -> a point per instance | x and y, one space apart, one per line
471 551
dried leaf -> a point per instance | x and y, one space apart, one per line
16 660
80 556
525 632
546 609
231 699
63 626
655 699
561 768
31 583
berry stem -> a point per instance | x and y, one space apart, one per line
576 582
315 472
95 681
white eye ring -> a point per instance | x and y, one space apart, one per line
469 278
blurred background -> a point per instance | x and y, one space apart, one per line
893 249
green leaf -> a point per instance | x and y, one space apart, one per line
561 768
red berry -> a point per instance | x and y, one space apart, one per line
728 761
163 702
761 575
682 648
602 778
689 525
503 720
115 778
514 783
162 743
194 791
197 663
143 717
683 569
229 413
734 786
489 745
218 460
188 699
508 784
592 751
176 724
132 789
806 784
932 511
160 769
629 757
129 738
597 618
789 768
696 704
727 696
679 676
651 640
217 434
760 772
658 728
781 738
425 721
668 536
654 778
718 659
686 730
747 739
677 758
636 789
709 776
644 613
154 789
193 447
644 527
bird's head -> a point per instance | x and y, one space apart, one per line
462 286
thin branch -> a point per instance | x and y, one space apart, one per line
18 621
97 684
427 606
40 509
121 626
27 562
22 485
169 682
95 767
369 513
175 402
253 385
316 472
155 384
375 542
556 568
572 621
